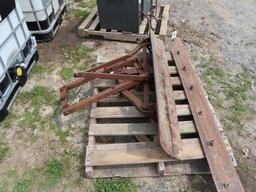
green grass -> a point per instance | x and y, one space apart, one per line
24 184
41 70
67 73
36 98
195 58
82 9
77 52
115 185
87 4
188 189
54 171
42 178
8 121
63 135
234 90
3 150
78 13
3 186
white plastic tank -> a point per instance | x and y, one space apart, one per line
42 16
17 48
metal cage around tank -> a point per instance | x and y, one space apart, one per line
43 17
17 51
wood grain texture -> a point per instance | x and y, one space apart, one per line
169 132
142 152
220 163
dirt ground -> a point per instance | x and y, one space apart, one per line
41 150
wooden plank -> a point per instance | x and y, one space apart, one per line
169 132
87 22
136 153
221 166
173 70
118 36
186 127
116 112
131 112
165 19
95 23
172 168
123 129
143 26
161 168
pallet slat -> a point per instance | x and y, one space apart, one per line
136 153
95 23
164 22
123 129
172 168
87 22
143 26
130 112
186 127
88 29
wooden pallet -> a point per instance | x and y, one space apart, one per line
125 143
91 28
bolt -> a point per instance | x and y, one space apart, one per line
184 68
211 143
200 112
191 87
178 52
226 185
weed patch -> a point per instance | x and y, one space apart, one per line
87 4
37 97
115 185
54 170
81 9
66 73
2 186
78 13
77 52
233 89
3 150
40 70
25 184
43 178
8 121
63 135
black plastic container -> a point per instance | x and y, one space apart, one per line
6 8
122 15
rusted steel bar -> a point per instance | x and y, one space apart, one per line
95 98
129 73
223 172
92 75
170 138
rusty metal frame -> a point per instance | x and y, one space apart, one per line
128 71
